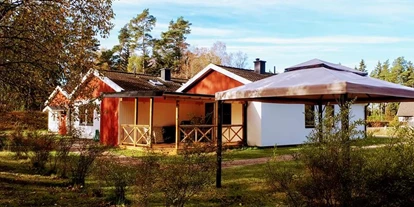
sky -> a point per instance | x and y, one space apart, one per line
287 32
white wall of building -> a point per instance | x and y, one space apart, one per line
254 122
87 131
284 124
357 113
53 121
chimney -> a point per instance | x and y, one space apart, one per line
260 66
166 74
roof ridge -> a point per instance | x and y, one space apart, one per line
234 67
139 74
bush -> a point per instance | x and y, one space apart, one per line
60 163
19 144
331 174
80 164
119 173
40 146
381 176
147 177
389 173
3 140
185 175
32 120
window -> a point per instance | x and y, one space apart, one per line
227 113
209 113
309 116
86 114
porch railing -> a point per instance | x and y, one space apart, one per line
136 135
232 133
207 133
197 133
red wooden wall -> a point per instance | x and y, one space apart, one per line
212 83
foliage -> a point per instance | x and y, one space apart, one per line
401 72
116 172
30 120
19 144
371 177
332 168
47 43
40 147
389 172
80 164
148 177
60 162
186 175
140 28
170 49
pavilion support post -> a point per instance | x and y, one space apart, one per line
320 116
151 122
135 120
244 118
177 124
347 191
219 142
215 121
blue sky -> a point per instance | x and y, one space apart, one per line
287 32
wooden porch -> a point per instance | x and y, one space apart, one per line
182 133
139 135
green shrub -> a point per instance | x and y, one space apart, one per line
148 176
61 160
81 162
185 175
19 144
40 147
118 173
336 175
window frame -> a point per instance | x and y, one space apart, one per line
309 116
86 113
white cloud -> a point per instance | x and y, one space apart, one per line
211 32
345 39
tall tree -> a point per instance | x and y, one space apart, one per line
170 49
219 49
123 49
45 43
362 67
377 70
385 71
239 59
107 59
141 27
410 71
398 71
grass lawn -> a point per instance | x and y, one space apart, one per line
255 152
19 186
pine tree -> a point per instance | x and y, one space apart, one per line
141 27
377 70
123 50
170 49
362 67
